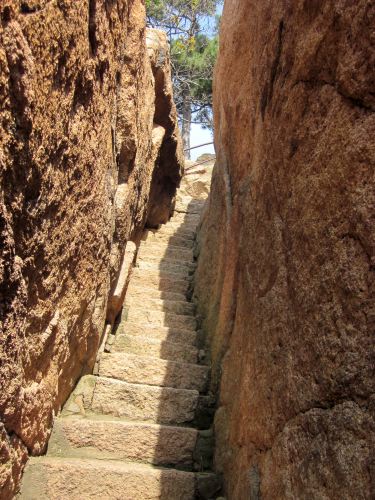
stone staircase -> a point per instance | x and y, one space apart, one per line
140 428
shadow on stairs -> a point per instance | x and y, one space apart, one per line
141 429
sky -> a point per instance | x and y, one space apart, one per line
198 135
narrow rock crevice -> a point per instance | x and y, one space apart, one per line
143 424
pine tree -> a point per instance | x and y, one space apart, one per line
192 30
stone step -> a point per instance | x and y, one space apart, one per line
53 478
182 269
189 205
161 333
166 282
181 225
161 318
158 274
187 218
174 306
118 429
168 262
144 292
166 238
190 222
165 250
192 215
139 369
162 405
169 229
118 440
155 348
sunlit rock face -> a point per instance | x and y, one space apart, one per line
80 140
285 277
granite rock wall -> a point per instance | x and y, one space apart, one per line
285 279
79 146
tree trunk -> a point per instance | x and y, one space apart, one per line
186 123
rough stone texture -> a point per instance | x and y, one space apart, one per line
286 268
115 440
75 479
135 291
165 179
156 348
13 455
163 405
163 333
81 128
166 282
143 369
184 240
116 299
174 306
110 422
167 250
181 232
161 318
107 396
169 265
196 181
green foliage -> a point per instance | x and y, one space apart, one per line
155 9
193 62
180 16
192 29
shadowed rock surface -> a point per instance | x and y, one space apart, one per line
80 142
285 277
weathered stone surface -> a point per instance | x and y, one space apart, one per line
167 250
142 369
187 218
176 267
80 399
179 231
13 455
204 449
107 396
51 478
162 333
156 348
164 180
162 280
161 318
116 440
165 237
116 298
195 186
177 225
134 291
198 186
286 268
81 128
328 451
175 306
110 422
208 485
164 405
